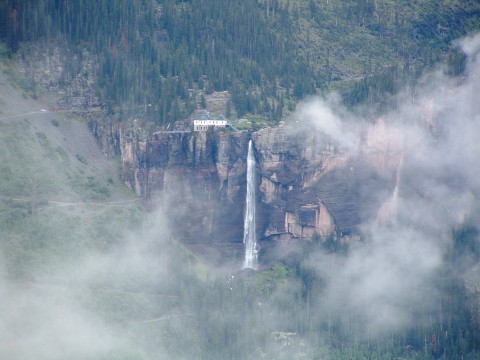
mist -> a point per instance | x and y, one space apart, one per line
82 309
431 139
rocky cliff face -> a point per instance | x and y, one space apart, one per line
307 186
198 176
310 187
69 77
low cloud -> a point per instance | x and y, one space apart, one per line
329 117
387 277
90 309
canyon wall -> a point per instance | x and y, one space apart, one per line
308 187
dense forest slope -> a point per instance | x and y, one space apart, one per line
268 54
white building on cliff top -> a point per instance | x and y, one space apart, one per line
202 120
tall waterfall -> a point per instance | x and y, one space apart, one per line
249 236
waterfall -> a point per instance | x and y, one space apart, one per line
249 236
388 212
394 211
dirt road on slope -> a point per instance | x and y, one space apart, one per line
62 130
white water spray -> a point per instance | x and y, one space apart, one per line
249 236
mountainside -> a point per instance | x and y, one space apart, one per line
73 274
267 54
55 180
121 224
86 275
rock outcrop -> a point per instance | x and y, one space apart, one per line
67 75
310 187
198 176
307 186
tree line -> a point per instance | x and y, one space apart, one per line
268 53
164 53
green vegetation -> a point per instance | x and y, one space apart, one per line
267 53
20 163
92 189
64 243
268 281
42 218
252 122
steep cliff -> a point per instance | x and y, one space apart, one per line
307 186
198 176
310 187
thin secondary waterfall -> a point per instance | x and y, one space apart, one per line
388 212
249 236
394 213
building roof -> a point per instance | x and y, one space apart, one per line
205 115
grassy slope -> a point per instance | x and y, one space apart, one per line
85 257
50 162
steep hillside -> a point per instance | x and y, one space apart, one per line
85 273
79 258
55 181
267 54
